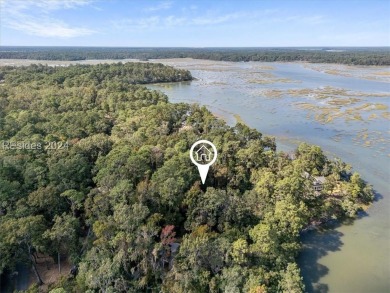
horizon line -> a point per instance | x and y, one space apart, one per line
194 47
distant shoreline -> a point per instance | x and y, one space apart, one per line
26 62
379 73
369 56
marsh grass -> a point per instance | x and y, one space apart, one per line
380 73
386 115
238 119
274 80
326 104
371 139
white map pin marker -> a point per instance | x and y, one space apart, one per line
203 168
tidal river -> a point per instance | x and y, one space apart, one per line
343 109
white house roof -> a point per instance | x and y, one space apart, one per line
203 147
320 179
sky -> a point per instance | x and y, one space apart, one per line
212 23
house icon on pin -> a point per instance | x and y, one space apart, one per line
203 154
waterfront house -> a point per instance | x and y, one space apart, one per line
318 181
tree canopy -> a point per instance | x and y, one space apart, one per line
119 197
341 55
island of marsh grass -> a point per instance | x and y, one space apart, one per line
261 77
273 80
380 73
326 104
328 113
322 93
386 115
368 139
264 67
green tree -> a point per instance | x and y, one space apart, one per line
24 236
63 233
291 281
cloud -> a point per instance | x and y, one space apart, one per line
158 22
137 24
309 20
48 28
316 19
33 17
190 17
174 21
217 20
161 6
43 5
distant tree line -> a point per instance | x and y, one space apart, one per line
353 56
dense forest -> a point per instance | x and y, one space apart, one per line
354 56
109 187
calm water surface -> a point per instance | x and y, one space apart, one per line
353 257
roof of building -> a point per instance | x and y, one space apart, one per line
319 179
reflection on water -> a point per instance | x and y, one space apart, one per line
352 257
317 245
